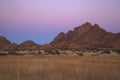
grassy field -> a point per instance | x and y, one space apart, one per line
59 67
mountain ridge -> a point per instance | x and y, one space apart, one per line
84 36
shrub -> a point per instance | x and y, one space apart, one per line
30 50
53 52
107 52
57 52
49 51
95 54
2 54
83 50
12 52
39 52
80 54
102 52
94 50
118 51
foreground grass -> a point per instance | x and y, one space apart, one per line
59 68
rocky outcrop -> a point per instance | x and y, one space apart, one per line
28 45
88 36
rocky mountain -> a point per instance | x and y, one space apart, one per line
88 36
84 36
28 45
4 43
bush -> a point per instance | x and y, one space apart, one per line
83 50
80 54
107 52
57 52
2 54
53 52
102 52
49 51
118 51
94 50
12 52
95 54
39 52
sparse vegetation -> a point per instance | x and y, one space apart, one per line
49 51
53 52
118 52
12 52
101 52
80 54
107 51
95 50
95 54
2 54
39 52
57 52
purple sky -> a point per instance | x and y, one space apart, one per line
42 20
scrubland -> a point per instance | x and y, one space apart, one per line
58 67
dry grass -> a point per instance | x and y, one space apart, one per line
59 68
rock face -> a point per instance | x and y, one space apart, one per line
88 36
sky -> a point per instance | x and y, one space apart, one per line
42 20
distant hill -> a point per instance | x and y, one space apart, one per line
28 45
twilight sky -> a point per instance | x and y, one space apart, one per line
42 20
